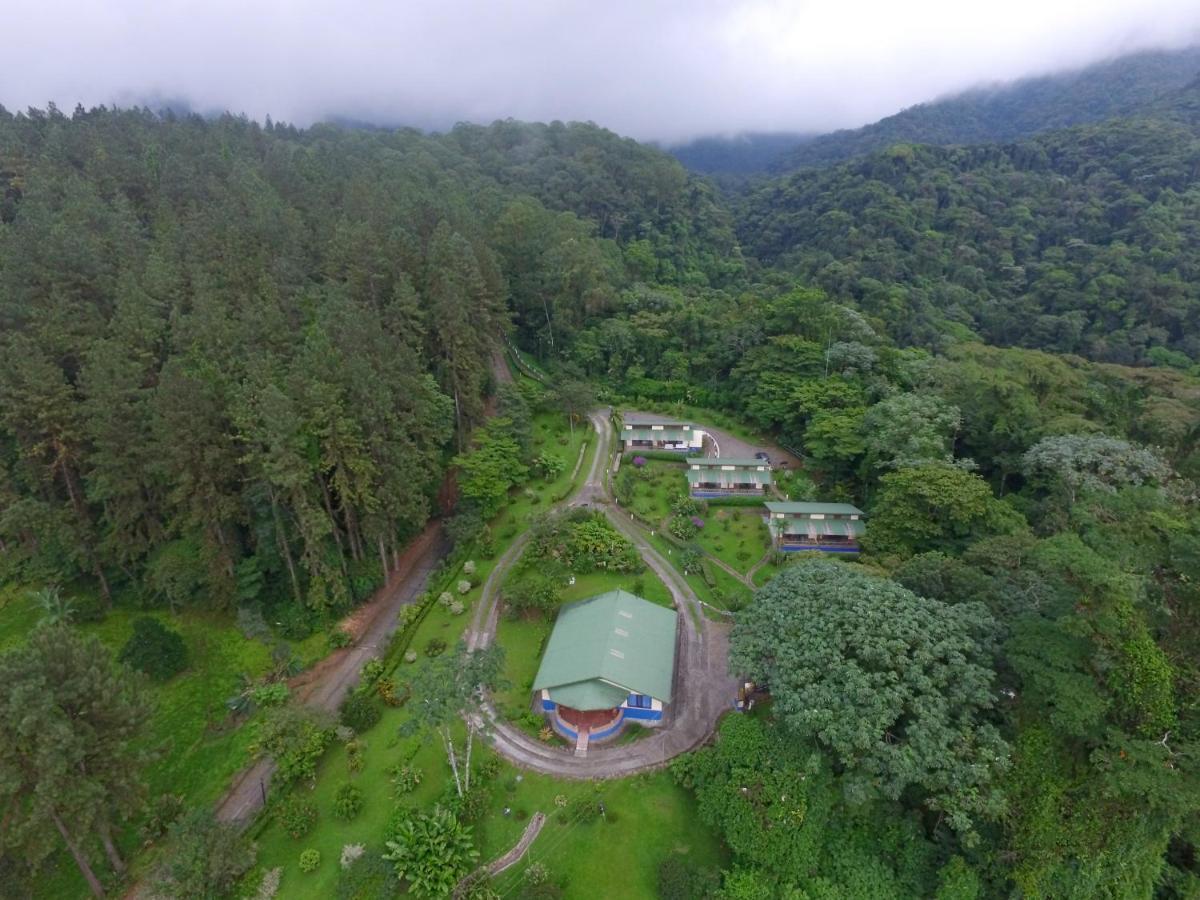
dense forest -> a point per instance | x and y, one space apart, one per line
237 362
1079 241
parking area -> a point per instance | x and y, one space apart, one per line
721 443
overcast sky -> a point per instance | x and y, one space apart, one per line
653 70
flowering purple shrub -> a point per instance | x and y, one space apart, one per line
697 521
639 461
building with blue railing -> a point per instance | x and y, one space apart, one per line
610 659
720 476
828 527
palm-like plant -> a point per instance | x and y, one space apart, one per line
56 609
432 852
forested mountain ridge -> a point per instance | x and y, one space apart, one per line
236 361
1119 87
1079 241
233 358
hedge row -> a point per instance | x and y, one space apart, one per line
439 580
676 456
735 500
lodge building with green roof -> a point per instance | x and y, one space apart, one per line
610 659
829 527
720 476
643 431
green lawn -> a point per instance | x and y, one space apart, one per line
735 535
654 487
523 638
651 816
648 818
550 435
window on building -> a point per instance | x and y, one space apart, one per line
639 701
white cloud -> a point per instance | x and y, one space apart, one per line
655 70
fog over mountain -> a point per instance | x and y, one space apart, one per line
664 72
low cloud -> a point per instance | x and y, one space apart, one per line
663 71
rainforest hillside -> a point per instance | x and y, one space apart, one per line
242 365
1118 87
1076 241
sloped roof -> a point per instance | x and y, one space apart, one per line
636 418
606 647
715 462
807 509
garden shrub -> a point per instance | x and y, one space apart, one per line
359 711
164 811
680 879
348 801
269 886
310 859
405 779
203 857
445 598
371 671
463 586
275 693
587 810
297 815
339 638
432 851
469 567
368 876
537 874
457 608
355 756
295 737
435 647
350 854
155 649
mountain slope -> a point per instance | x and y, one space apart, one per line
1113 88
1084 240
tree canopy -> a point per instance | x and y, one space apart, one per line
895 687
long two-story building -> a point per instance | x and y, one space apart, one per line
831 527
719 476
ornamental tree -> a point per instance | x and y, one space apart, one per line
894 687
432 851
445 691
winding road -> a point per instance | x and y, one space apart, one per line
703 688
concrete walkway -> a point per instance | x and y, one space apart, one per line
703 688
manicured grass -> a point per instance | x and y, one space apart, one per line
735 535
550 435
766 572
385 749
524 638
648 818
654 487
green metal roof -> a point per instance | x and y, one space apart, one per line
606 647
591 694
737 476
644 432
807 509
633 418
715 462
